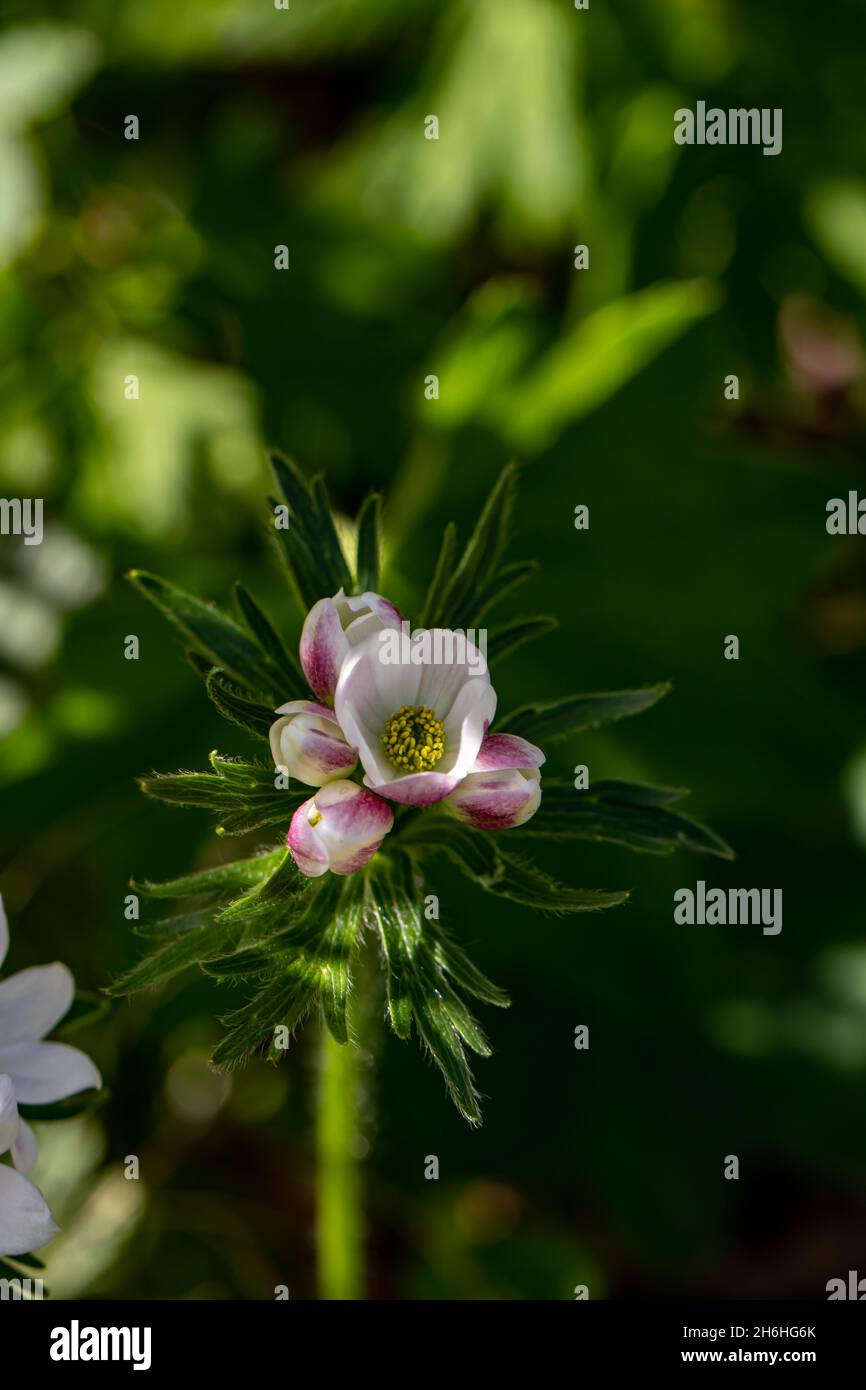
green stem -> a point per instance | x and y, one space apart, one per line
339 1233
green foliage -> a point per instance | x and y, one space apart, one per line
553 719
422 969
243 795
624 813
481 857
454 604
310 548
212 633
508 637
368 545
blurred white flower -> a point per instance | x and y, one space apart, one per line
32 1072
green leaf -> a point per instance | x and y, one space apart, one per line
624 813
242 794
367 556
561 718
234 705
67 1108
310 547
505 580
329 541
240 873
310 964
85 1009
270 641
189 948
213 633
509 636
502 874
422 967
433 610
167 928
29 1261
482 554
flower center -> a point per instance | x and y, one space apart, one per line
414 738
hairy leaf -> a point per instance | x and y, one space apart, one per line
213 633
240 873
235 706
625 813
509 636
561 718
242 794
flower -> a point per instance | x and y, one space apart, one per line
32 1072
333 627
340 828
25 1221
417 721
503 788
308 742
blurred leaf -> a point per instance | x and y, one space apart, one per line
68 1107
836 214
591 361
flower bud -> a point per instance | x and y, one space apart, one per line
503 788
308 742
333 627
340 828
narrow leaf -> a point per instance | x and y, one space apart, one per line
368 545
561 718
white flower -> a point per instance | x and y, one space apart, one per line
333 627
340 828
503 788
25 1221
308 742
32 1072
417 724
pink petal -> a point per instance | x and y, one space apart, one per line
507 750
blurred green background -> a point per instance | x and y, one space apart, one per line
412 257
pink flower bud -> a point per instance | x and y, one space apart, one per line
308 742
333 627
340 828
503 788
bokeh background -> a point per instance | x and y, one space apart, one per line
261 127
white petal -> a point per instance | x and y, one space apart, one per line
33 1001
25 1221
24 1151
4 932
9 1121
44 1072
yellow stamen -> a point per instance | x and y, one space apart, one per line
414 739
